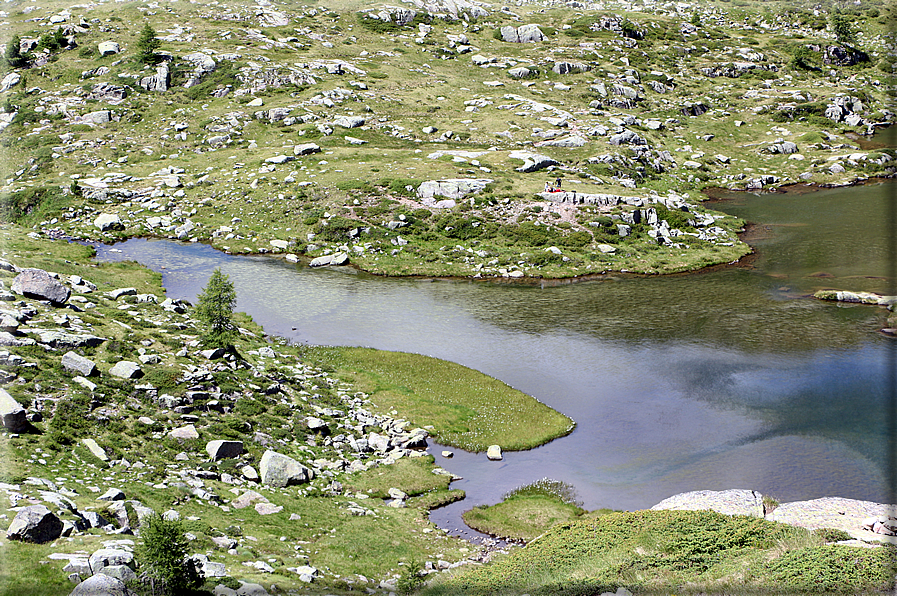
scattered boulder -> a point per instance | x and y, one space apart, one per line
532 162
35 524
563 68
37 283
95 449
520 72
494 453
187 432
160 81
98 117
101 585
10 81
73 362
107 92
279 470
349 121
108 557
108 48
125 369
108 221
12 413
306 149
455 188
523 34
220 449
843 56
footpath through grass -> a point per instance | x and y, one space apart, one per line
466 408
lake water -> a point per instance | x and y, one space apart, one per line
733 378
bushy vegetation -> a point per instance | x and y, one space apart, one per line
689 551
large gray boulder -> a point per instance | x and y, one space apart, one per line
109 557
107 48
60 339
349 121
37 283
279 470
126 369
563 68
532 162
523 34
101 585
98 117
108 221
221 449
12 413
73 362
36 524
730 502
306 149
455 188
160 81
108 92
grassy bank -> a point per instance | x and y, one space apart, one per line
466 408
684 552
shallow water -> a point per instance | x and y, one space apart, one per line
726 379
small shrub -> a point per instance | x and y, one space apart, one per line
163 556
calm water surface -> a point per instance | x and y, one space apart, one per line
725 379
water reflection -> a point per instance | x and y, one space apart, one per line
730 378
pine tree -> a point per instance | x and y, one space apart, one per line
163 557
13 55
215 309
843 29
147 44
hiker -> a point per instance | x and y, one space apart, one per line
557 184
548 187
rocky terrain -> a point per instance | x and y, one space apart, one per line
425 138
445 138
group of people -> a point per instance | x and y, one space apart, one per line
555 188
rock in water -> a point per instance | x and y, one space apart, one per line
37 283
280 470
12 413
494 453
36 524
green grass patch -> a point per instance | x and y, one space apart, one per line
527 512
413 476
467 409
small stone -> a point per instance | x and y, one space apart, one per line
494 452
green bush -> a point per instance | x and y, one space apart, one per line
834 568
163 556
336 229
31 204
